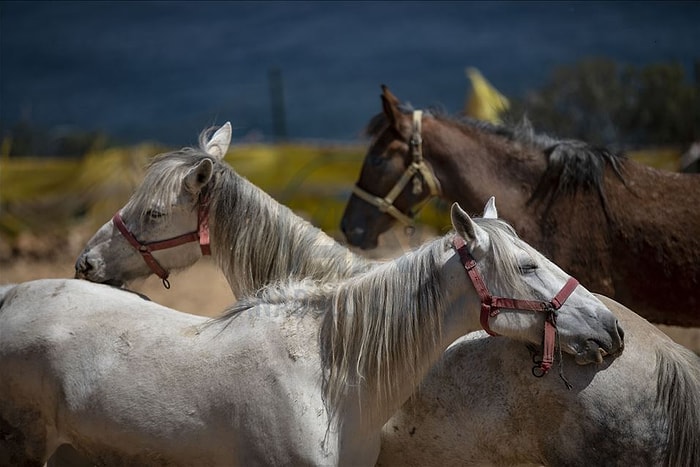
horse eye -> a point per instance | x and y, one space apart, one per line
154 214
527 268
377 160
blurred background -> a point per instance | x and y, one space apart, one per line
310 71
89 91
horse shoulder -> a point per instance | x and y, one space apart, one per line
449 421
273 381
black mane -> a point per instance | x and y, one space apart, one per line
573 165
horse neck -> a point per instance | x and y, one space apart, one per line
388 327
474 163
256 240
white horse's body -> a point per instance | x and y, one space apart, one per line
129 382
641 408
166 411
303 374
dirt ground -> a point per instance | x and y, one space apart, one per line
202 289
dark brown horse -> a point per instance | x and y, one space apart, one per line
623 229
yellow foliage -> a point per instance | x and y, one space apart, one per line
42 194
29 178
315 181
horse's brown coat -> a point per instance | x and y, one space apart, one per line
625 230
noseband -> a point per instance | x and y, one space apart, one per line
491 306
386 204
201 235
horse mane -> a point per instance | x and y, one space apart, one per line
373 327
573 165
266 241
255 239
678 397
377 328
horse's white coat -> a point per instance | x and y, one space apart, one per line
127 381
631 410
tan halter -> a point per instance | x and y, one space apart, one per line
386 204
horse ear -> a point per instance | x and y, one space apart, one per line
391 98
218 145
490 211
476 238
390 105
198 176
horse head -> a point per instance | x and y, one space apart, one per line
395 181
160 226
523 293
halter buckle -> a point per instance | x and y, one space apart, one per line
538 371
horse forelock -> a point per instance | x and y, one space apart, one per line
503 273
162 183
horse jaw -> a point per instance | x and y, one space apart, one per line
588 346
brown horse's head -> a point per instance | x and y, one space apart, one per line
394 178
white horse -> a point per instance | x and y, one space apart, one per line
641 408
303 373
192 193
272 243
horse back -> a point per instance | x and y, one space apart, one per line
654 233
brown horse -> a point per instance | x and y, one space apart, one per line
625 230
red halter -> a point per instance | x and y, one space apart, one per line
491 306
201 236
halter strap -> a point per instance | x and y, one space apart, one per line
491 305
386 204
201 236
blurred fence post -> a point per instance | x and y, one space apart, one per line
279 119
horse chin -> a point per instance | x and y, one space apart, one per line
119 284
369 244
364 242
94 276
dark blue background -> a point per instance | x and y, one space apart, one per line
165 70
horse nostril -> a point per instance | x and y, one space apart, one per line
82 267
355 236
